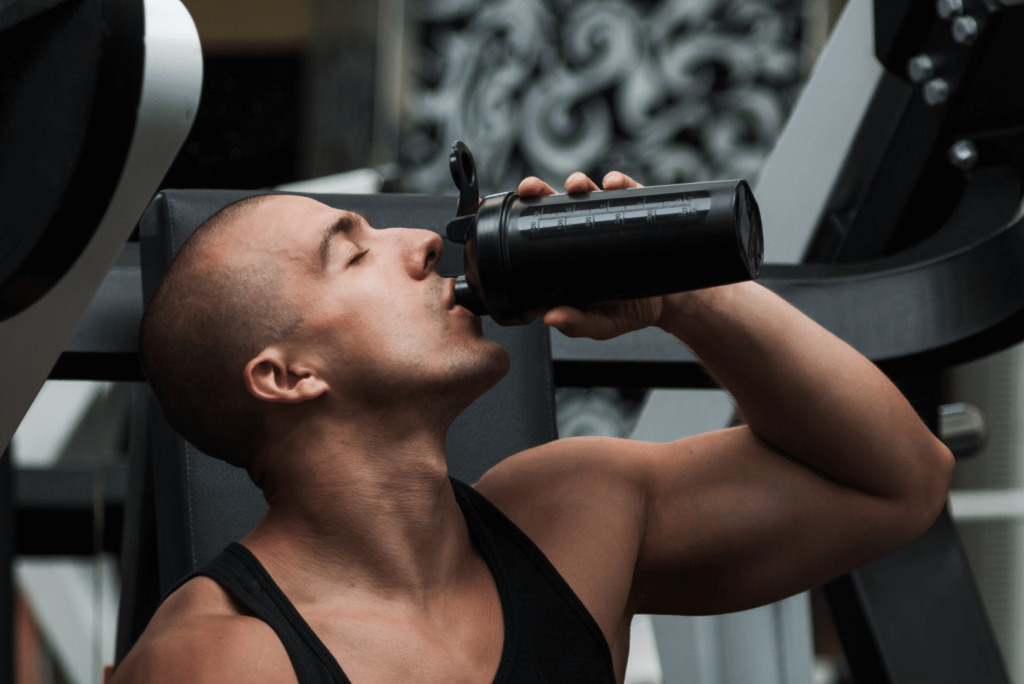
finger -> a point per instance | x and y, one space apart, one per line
616 180
534 187
563 316
579 182
593 327
575 323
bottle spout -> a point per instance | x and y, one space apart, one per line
465 296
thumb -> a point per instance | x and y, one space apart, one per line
575 323
563 317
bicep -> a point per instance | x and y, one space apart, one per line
732 523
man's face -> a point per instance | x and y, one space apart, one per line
381 322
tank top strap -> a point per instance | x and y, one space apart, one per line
544 608
241 574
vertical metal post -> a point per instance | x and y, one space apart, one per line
6 569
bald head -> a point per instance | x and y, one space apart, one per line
216 308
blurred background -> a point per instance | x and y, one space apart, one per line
371 94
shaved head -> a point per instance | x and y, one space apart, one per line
215 309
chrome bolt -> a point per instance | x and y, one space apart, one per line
963 155
962 428
936 91
948 9
965 30
920 68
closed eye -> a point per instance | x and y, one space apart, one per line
357 257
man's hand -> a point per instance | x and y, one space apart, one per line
613 319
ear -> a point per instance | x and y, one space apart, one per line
272 376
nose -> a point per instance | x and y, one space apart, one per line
425 253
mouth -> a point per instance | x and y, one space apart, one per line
453 306
450 294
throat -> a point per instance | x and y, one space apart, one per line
394 537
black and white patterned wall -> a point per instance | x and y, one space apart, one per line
665 90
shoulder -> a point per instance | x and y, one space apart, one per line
568 473
582 501
200 634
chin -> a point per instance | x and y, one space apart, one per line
492 364
500 363
476 370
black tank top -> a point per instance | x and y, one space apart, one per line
549 634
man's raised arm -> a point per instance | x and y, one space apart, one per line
832 470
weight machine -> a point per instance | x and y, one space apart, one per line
897 184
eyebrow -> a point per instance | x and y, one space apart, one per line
345 224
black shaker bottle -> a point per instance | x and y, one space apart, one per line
524 256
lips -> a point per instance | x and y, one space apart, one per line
450 300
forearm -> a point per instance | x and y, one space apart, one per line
806 392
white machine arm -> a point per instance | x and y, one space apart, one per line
32 340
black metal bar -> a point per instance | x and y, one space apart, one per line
140 566
54 511
107 366
67 488
6 570
66 531
915 616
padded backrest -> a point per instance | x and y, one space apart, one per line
201 503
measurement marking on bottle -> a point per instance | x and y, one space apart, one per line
597 217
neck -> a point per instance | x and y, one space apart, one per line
364 501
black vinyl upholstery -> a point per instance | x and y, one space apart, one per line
192 505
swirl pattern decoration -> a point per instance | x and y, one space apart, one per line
668 91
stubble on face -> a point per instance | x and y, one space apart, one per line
469 364
435 366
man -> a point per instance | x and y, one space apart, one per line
329 359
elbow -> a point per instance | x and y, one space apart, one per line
931 489
942 466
